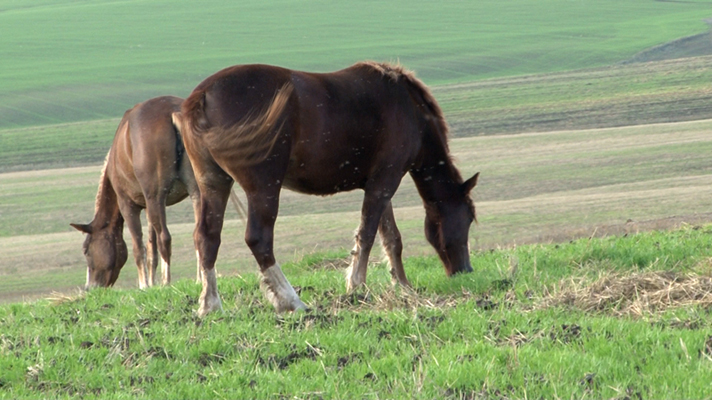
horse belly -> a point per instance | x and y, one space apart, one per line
177 193
324 178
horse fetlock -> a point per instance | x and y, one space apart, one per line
208 304
209 298
165 273
399 279
278 291
355 277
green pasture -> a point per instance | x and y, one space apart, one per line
68 61
481 335
70 68
631 94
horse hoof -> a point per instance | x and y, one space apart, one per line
353 284
300 307
208 306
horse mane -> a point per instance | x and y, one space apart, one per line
398 73
423 98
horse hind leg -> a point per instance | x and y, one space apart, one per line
188 177
207 242
393 246
259 237
278 291
156 215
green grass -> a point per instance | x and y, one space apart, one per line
472 336
56 146
670 91
93 60
630 94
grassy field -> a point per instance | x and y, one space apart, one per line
537 187
532 322
632 94
582 154
93 60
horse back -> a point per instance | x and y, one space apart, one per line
336 129
351 124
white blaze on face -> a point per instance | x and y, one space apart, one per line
87 284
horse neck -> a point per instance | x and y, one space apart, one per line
436 177
106 211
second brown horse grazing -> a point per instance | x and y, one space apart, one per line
146 168
363 127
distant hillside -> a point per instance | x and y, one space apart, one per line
93 60
689 46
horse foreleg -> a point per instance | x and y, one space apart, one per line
372 209
392 245
207 241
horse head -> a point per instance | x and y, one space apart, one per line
447 227
105 251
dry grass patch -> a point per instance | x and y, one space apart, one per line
636 295
333 264
386 298
58 298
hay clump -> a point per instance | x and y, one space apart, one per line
58 298
387 298
634 295
332 264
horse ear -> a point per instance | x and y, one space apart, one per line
82 227
470 184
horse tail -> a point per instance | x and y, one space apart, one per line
239 207
247 142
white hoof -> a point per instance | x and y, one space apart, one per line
165 273
209 297
208 305
279 291
354 280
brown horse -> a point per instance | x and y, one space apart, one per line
363 127
146 168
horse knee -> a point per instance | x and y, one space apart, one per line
165 242
396 247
